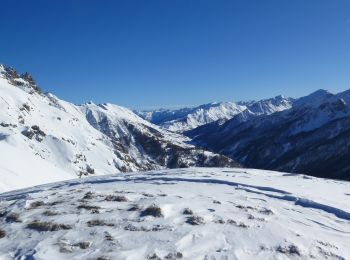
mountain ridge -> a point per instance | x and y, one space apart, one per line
311 137
60 140
186 119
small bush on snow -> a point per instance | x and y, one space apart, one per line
2 233
195 220
47 226
116 198
153 210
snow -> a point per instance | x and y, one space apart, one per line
241 214
314 98
20 168
67 132
231 213
319 108
58 140
184 119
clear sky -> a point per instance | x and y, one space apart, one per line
165 53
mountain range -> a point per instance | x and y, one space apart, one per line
305 135
58 140
311 137
148 211
185 119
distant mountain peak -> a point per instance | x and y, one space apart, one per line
320 93
315 98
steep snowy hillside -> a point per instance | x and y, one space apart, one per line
186 119
179 214
43 138
268 106
313 137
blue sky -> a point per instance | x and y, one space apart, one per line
165 53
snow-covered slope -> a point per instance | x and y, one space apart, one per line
185 119
43 138
268 106
189 118
312 137
198 213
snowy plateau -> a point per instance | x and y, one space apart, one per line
196 213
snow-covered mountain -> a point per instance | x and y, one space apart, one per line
312 137
43 138
185 119
198 213
268 106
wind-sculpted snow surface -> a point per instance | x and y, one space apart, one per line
195 213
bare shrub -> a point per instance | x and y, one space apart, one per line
195 220
83 244
153 257
2 233
233 222
36 204
47 226
187 211
153 211
98 222
116 198
134 207
89 207
266 211
176 255
89 195
50 213
289 250
13 217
